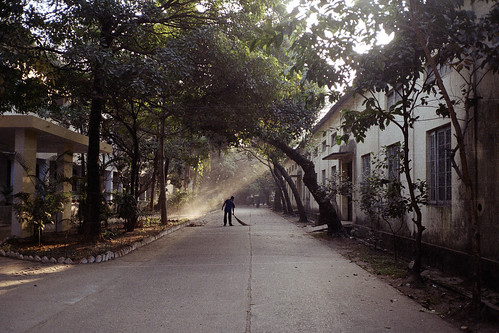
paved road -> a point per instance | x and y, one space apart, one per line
268 277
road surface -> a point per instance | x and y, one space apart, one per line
270 276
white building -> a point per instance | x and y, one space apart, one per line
28 145
447 238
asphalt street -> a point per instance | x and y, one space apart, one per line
270 276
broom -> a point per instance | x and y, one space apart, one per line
238 220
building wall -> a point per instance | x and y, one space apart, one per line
487 155
446 224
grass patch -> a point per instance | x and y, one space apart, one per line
379 262
321 235
375 261
388 267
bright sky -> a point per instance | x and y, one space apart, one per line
382 38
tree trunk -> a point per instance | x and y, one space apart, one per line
167 167
134 172
288 208
470 195
299 204
327 213
153 181
83 166
134 185
417 267
279 202
91 224
278 196
162 175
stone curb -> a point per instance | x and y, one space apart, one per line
109 255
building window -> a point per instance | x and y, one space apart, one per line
324 145
443 70
333 139
324 177
116 182
8 180
393 159
439 165
334 182
366 166
392 97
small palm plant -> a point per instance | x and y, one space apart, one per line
40 209
6 195
127 209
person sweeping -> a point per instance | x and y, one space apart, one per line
228 208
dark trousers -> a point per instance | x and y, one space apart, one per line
229 214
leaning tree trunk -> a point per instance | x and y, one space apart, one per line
288 208
299 204
327 213
278 196
278 201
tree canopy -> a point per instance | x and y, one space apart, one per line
129 64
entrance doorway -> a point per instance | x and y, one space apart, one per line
347 205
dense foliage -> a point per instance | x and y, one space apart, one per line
151 77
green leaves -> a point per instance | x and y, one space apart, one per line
383 197
359 122
20 90
40 209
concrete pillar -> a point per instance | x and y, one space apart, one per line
22 174
65 170
108 185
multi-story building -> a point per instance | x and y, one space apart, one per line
432 140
